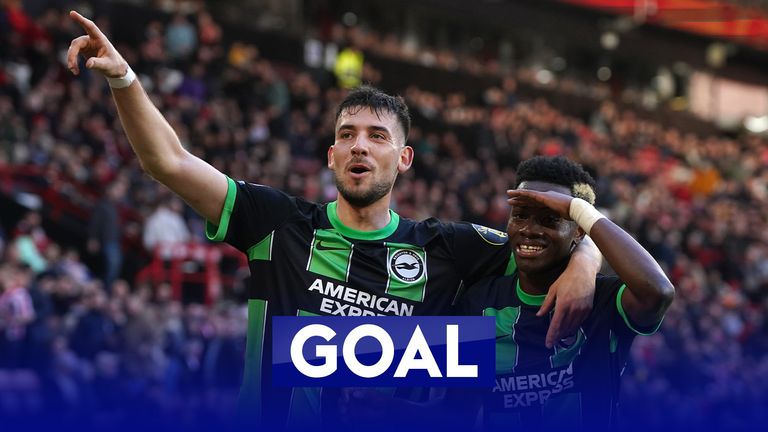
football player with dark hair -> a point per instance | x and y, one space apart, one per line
575 383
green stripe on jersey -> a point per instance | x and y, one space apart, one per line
529 299
406 271
506 347
250 393
566 355
330 255
262 250
511 265
379 234
304 411
627 321
218 232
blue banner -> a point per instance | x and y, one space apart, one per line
383 351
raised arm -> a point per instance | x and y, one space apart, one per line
649 292
153 140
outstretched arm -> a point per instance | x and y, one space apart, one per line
649 292
153 140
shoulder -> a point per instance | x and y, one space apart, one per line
607 282
491 291
495 282
306 207
269 195
433 229
242 186
469 230
491 236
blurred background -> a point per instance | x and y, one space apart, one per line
111 299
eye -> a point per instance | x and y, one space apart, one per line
378 136
550 221
345 135
518 217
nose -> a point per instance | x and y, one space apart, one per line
360 147
530 228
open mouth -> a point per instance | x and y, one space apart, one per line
358 170
529 250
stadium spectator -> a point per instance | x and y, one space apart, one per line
104 234
349 67
165 226
94 332
16 313
180 38
209 32
31 242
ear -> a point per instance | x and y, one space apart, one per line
579 235
330 157
406 159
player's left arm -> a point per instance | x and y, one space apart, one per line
648 291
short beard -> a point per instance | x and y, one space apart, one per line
363 198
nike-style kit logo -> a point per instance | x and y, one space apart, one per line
321 246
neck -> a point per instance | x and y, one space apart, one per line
369 218
538 283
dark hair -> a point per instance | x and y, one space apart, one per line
375 99
560 171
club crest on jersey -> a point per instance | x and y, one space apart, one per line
490 235
406 265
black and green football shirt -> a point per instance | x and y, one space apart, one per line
574 385
304 261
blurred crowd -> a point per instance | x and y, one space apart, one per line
69 337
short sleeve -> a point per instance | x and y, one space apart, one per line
608 294
480 251
250 213
641 330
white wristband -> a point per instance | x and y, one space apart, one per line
584 214
124 81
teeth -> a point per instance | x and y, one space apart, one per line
529 248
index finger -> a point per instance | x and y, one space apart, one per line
526 200
520 192
569 325
548 304
89 26
526 195
73 51
553 333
